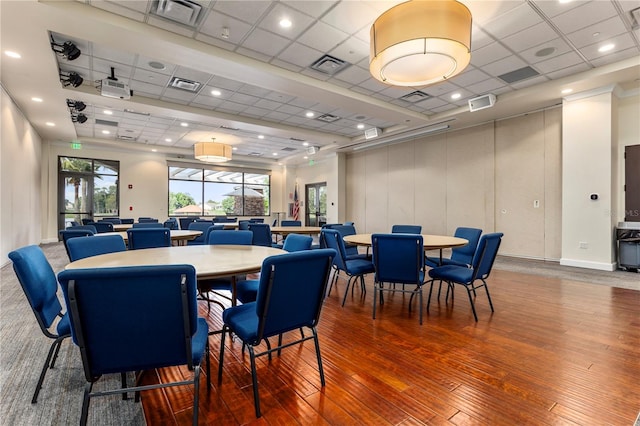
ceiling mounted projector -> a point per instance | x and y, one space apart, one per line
110 87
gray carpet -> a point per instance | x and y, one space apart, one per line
23 349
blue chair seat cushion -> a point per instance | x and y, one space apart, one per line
459 274
199 341
359 266
434 262
247 290
64 325
243 320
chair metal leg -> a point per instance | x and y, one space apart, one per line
254 379
420 294
375 296
430 291
196 393
317 343
224 333
346 290
48 363
85 404
123 380
473 307
486 288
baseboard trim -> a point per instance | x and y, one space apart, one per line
49 241
589 265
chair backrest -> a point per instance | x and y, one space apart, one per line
185 221
224 219
103 227
83 228
171 223
465 254
128 221
147 220
39 284
147 225
291 291
349 223
290 223
398 258
114 220
485 254
333 240
406 229
79 248
345 230
73 223
243 225
256 220
199 226
228 237
133 318
73 233
297 242
261 234
142 238
86 221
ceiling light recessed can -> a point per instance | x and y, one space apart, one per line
167 140
545 51
305 143
235 148
309 114
360 126
50 124
456 96
183 124
260 136
216 92
106 132
566 91
35 99
157 65
107 112
606 47
285 23
12 54
154 150
275 153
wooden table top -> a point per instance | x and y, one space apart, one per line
176 234
118 227
429 241
285 230
210 261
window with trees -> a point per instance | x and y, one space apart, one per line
218 192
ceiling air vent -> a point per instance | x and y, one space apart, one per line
328 118
416 96
184 84
635 18
329 65
106 122
185 12
255 154
518 75
288 149
127 138
296 139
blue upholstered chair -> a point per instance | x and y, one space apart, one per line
39 284
398 259
171 223
290 296
353 268
350 250
128 221
147 225
185 221
103 227
114 220
79 248
290 223
243 225
261 234
83 227
199 226
228 237
247 290
73 223
147 220
136 319
142 238
480 269
73 233
256 220
86 220
461 256
406 229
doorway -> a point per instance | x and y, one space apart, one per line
316 204
632 183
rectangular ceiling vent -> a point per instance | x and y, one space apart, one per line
328 118
229 128
288 149
255 154
296 139
106 122
416 96
185 12
132 111
127 138
184 84
635 18
518 75
327 64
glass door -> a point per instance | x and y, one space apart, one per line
316 204
76 202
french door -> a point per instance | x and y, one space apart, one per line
316 204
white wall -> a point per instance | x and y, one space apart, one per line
628 132
322 170
20 195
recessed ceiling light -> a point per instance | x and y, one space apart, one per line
106 132
36 99
305 157
216 92
546 51
309 114
456 96
50 124
183 124
564 1
167 140
108 112
606 47
285 23
154 150
305 143
157 65
360 126
235 148
11 54
566 91
596 34
260 136
275 153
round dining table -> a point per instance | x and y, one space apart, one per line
177 235
286 230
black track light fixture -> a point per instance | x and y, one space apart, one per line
70 79
67 50
79 118
78 106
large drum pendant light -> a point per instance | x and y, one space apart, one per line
421 42
212 152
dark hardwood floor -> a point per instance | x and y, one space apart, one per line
554 352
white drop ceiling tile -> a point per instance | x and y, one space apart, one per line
151 77
588 13
267 104
223 84
396 92
217 42
158 126
352 51
529 82
553 8
353 75
251 90
253 54
599 32
102 69
286 65
300 55
119 10
488 54
484 11
84 131
299 21
248 11
83 61
531 55
352 15
532 36
315 74
472 76
621 42
176 100
278 97
505 65
143 63
371 85
243 99
340 83
207 101
165 24
569 59
214 24
255 112
322 37
231 107
191 74
138 5
311 8
161 120
112 55
139 86
444 108
430 103
479 38
502 26
265 42
487 86
615 57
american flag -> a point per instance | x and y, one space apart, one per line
296 205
